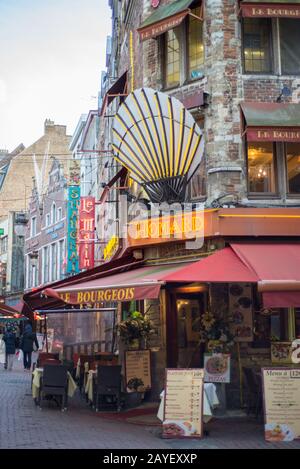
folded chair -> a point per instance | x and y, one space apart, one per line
54 382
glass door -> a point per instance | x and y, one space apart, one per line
190 349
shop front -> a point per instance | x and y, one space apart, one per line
236 295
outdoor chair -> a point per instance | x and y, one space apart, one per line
70 366
54 382
107 390
254 389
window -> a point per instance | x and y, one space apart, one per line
261 168
59 214
53 262
48 219
293 168
173 57
4 244
271 45
289 46
257 41
33 227
184 51
53 213
46 264
195 45
61 255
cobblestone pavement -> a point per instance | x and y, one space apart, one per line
23 425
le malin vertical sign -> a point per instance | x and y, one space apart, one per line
86 233
72 213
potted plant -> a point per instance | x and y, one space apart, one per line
134 329
134 396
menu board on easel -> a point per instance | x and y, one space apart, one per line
183 403
281 389
138 369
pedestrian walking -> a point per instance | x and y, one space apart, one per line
27 340
9 339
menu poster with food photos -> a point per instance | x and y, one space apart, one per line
138 367
216 368
241 311
281 389
183 403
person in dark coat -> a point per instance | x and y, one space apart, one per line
27 340
10 347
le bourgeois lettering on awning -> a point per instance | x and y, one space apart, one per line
270 10
98 295
273 134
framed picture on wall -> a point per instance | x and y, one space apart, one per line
241 311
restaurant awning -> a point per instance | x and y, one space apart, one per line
274 267
222 267
270 8
164 18
137 284
118 89
272 122
277 269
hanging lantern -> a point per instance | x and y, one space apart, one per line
159 142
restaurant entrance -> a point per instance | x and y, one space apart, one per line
184 312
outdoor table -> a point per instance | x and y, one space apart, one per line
210 401
36 379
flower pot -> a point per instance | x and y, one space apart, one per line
133 399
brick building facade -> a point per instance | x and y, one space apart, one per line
215 65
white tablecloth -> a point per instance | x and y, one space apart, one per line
210 401
36 378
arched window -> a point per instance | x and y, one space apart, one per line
53 214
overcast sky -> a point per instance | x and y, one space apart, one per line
51 56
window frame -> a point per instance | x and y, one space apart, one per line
279 52
183 53
33 223
288 194
272 51
264 195
188 78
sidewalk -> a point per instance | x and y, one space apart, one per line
23 425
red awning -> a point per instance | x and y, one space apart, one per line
277 268
137 284
274 267
118 89
222 267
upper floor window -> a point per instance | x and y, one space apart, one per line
33 227
59 213
3 244
273 169
48 219
257 42
53 213
271 45
292 155
184 51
